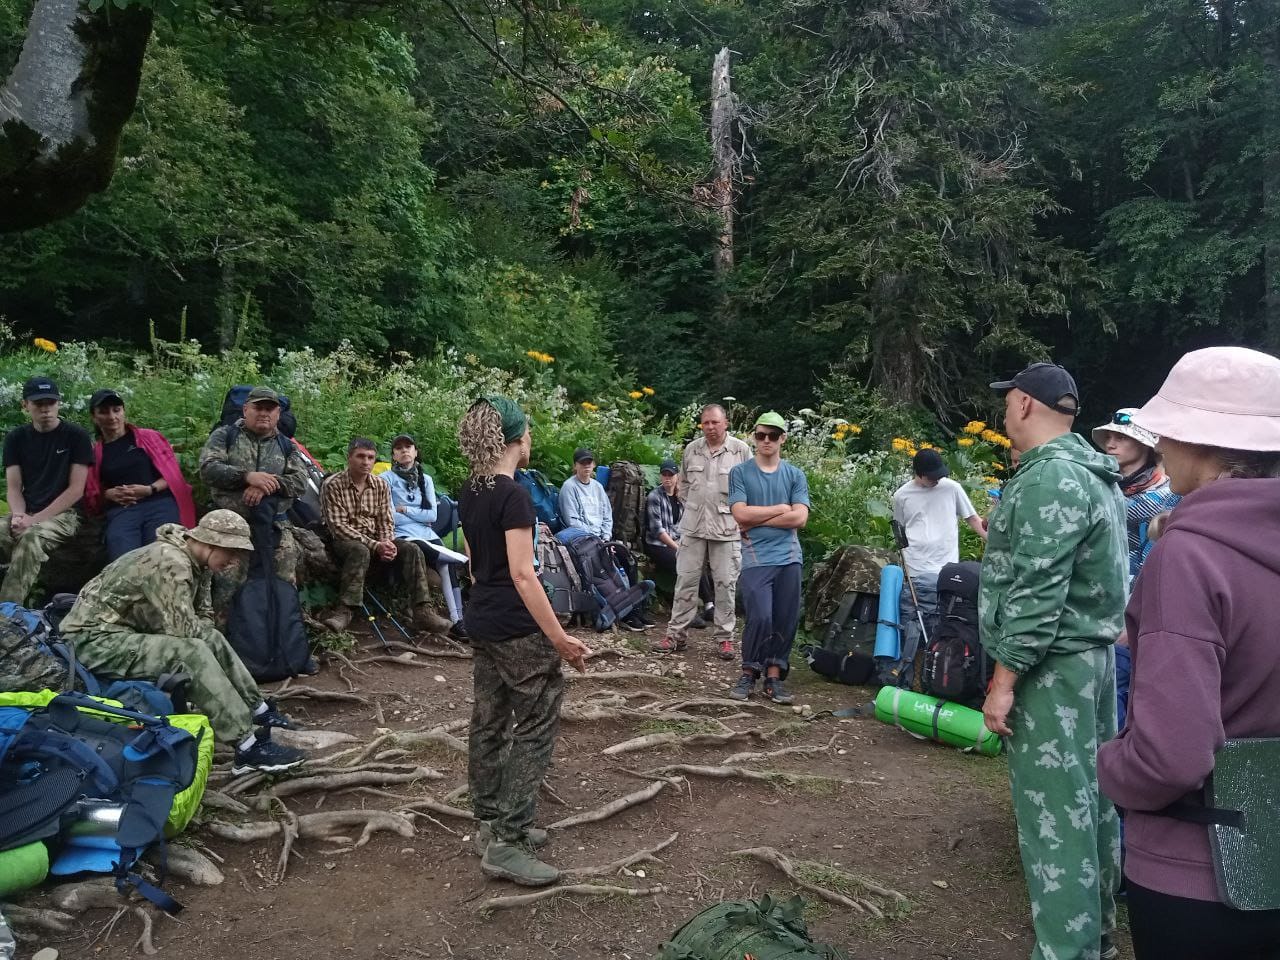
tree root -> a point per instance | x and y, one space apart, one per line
701 703
685 740
726 772
187 864
215 800
313 740
349 778
790 869
24 919
289 830
585 889
616 806
98 894
640 856
620 675
435 806
450 650
317 826
417 739
803 750
311 693
144 942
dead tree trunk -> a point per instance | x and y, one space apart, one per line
64 106
722 150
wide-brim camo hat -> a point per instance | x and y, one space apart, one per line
222 528
1122 423
1226 397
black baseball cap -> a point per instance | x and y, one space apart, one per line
929 463
400 437
1046 382
104 395
40 388
668 466
582 454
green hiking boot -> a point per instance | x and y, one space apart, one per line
536 837
514 862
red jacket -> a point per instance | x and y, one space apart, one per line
153 443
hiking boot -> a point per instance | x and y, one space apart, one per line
699 622
535 837
1109 950
742 691
724 650
775 691
272 717
459 633
424 618
265 756
632 622
668 645
311 667
339 620
646 618
514 862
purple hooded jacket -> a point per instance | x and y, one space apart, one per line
1204 629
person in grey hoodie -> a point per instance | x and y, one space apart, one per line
1202 627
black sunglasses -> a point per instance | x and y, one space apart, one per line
1122 418
766 435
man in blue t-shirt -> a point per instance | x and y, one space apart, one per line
769 498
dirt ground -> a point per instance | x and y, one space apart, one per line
928 821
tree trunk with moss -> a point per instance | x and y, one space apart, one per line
63 107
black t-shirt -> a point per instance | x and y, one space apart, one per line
46 459
495 611
123 461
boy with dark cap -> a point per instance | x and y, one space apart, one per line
583 501
46 463
663 509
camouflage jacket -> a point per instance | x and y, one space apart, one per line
224 463
156 589
1055 572
24 666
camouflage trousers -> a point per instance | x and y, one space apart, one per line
1068 833
28 553
518 687
724 557
223 586
220 684
354 559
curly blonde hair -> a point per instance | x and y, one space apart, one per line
481 440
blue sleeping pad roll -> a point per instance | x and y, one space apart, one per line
888 630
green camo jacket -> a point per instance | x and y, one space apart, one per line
224 462
1053 578
154 589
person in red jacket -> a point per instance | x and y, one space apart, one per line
135 479
1206 658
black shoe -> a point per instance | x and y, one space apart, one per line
698 623
633 623
265 756
459 632
272 717
1109 950
742 690
775 691
646 619
311 667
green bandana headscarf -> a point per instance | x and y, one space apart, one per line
514 421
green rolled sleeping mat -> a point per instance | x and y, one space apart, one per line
934 719
762 929
23 867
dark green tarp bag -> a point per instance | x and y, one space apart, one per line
761 928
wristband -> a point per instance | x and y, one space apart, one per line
152 488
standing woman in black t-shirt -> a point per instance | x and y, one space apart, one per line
517 644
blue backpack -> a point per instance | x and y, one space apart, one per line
546 501
61 759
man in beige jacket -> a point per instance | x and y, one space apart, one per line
708 533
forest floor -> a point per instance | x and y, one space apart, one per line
915 817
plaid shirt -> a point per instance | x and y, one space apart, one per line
663 515
363 515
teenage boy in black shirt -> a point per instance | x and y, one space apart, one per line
517 645
45 466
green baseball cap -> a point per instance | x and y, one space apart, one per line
772 419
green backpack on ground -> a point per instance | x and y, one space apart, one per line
626 492
763 929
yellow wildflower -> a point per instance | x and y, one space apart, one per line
998 467
47 345
853 428
837 436
974 427
539 356
635 395
991 481
647 391
899 444
965 442
588 406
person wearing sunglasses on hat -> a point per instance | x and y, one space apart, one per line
1202 632
1051 599
769 498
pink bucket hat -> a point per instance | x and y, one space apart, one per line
1227 397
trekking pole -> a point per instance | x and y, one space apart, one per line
373 622
387 613
900 538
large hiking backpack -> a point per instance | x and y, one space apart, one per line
559 577
233 409
842 611
956 668
264 624
626 489
762 929
601 566
73 758
546 500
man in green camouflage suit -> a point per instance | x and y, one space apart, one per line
1051 604
147 614
246 462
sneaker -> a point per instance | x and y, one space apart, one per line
272 717
1109 950
668 645
647 619
459 632
632 622
724 650
775 691
742 691
698 623
311 667
514 862
339 620
265 756
535 837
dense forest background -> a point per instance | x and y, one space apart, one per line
925 193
